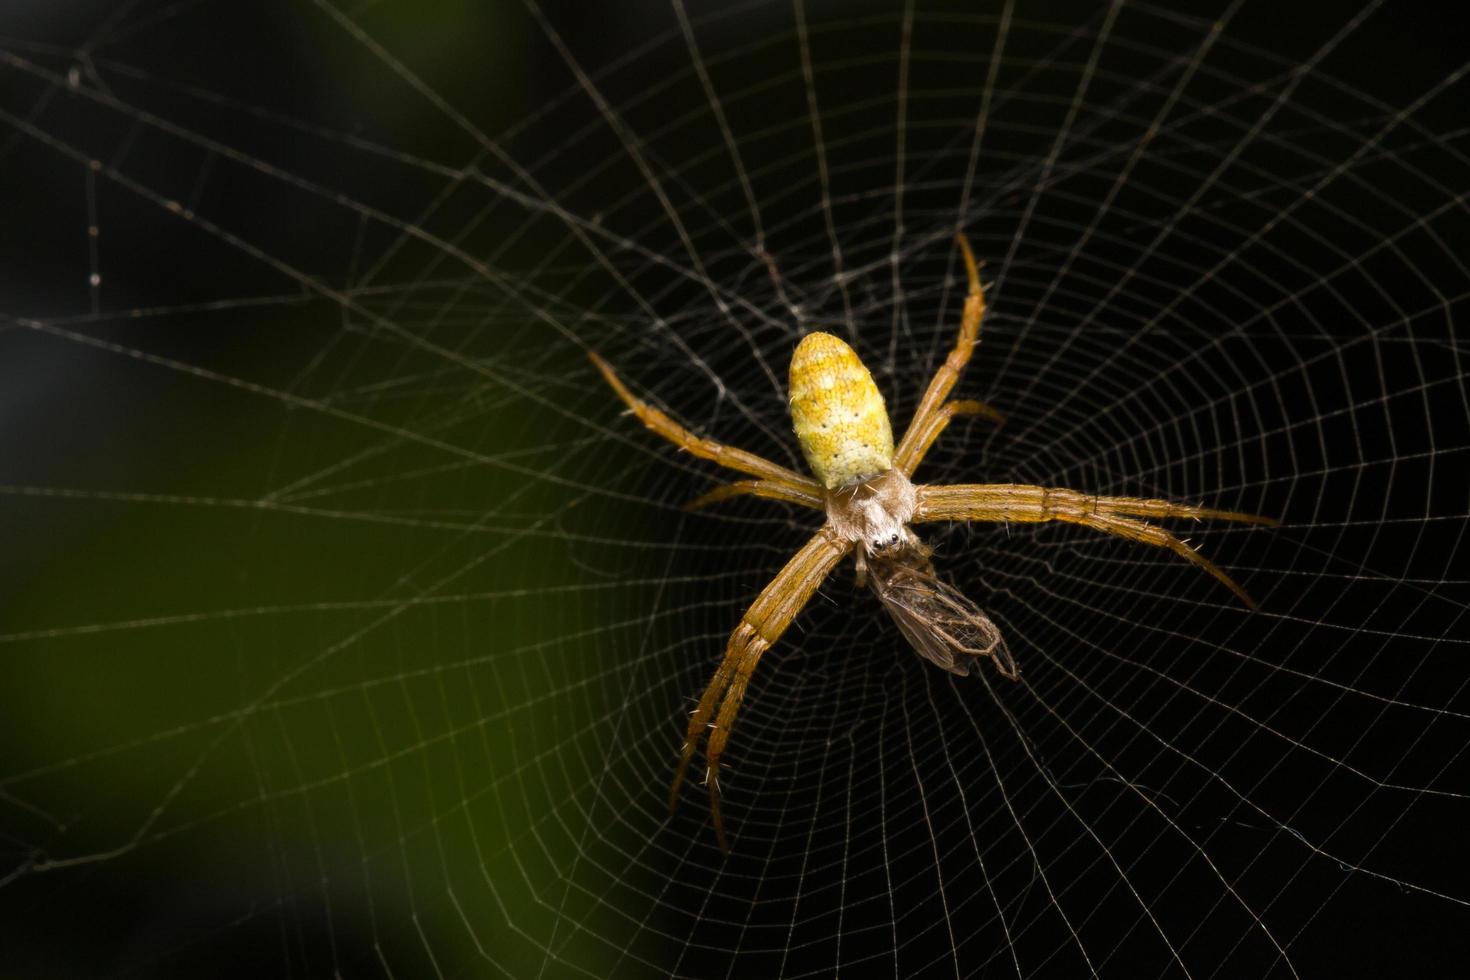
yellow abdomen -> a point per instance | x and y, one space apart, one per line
837 412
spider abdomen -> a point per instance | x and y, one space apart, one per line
838 413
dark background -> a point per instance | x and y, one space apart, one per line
342 833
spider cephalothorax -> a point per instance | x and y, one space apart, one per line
863 486
874 514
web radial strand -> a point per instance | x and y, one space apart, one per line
354 626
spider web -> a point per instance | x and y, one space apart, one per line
350 628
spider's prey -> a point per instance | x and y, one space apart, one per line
863 487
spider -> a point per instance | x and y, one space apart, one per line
862 484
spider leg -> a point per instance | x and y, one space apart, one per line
759 488
949 372
1160 538
762 624
1114 515
907 461
735 459
1023 503
1144 507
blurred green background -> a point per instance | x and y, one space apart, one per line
284 686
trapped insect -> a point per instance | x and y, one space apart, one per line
942 625
862 485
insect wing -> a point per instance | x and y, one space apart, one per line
940 623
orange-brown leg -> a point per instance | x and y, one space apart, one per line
1031 504
758 488
1022 502
762 624
949 372
909 460
735 459
1159 538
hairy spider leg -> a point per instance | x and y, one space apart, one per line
717 452
761 626
916 440
1114 515
937 423
758 488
